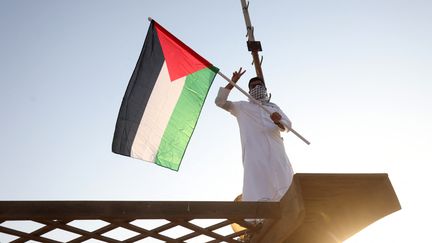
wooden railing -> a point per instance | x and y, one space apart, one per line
325 208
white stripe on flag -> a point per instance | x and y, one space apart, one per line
160 106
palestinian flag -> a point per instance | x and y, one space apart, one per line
163 100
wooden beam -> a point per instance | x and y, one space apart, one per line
124 210
329 208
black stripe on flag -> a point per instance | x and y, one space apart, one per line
138 93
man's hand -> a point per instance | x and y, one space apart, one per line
276 118
235 77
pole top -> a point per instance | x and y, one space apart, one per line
150 19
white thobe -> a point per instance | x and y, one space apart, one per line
267 170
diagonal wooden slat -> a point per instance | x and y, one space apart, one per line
210 228
77 231
231 236
39 232
156 230
99 231
203 231
26 236
143 231
236 234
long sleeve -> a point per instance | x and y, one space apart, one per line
287 122
222 99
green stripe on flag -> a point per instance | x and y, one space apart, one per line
184 118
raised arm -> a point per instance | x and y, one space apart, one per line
222 96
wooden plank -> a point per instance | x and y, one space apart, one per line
335 207
340 205
124 210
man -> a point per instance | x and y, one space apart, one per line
267 170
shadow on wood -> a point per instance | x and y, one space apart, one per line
329 208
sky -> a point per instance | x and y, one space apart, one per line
354 77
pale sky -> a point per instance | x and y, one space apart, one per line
354 77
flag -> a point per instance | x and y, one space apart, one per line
163 100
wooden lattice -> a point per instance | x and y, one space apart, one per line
184 219
325 208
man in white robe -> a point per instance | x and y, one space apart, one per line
267 170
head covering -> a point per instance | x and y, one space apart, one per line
259 92
253 79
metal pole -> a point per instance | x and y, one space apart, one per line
253 46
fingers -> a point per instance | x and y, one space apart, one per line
237 74
275 116
240 71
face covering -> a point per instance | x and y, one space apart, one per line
259 92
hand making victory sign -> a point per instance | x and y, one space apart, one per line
235 77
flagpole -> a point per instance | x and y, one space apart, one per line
259 104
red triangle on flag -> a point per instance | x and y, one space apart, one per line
181 60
